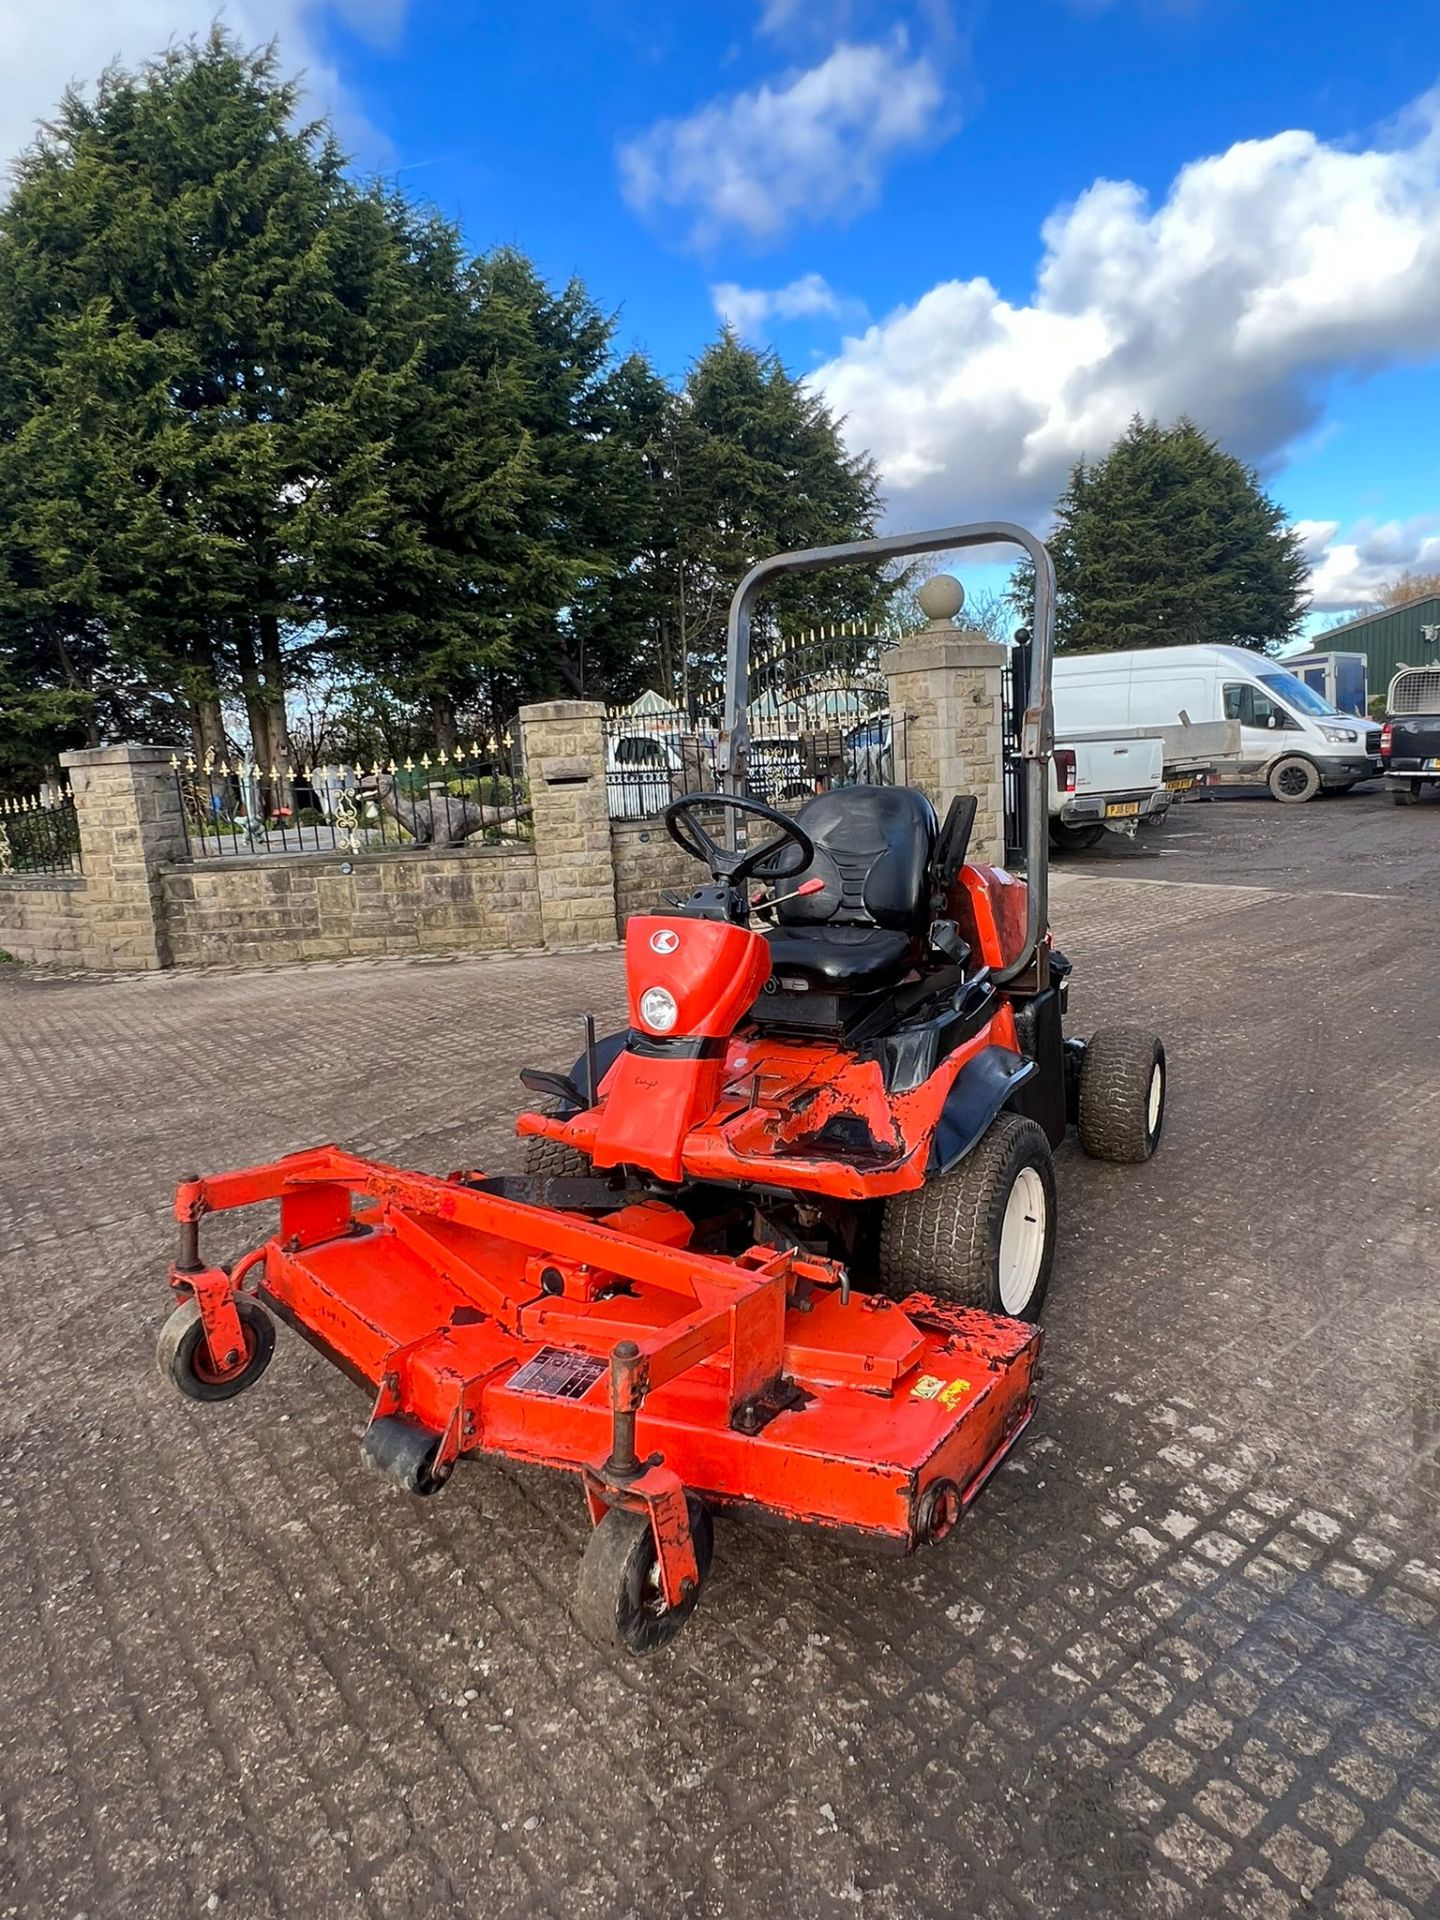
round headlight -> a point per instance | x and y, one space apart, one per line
658 1009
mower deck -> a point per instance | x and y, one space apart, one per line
487 1324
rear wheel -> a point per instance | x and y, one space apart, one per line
1074 839
1122 1094
1294 779
1406 796
982 1235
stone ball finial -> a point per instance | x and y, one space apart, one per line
941 597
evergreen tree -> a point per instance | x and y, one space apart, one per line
1169 540
756 465
197 310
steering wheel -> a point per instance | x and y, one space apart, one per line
682 823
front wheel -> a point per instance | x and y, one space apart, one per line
1294 779
1122 1094
982 1235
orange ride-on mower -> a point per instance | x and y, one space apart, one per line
781 1244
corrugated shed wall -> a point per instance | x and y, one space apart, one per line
1388 638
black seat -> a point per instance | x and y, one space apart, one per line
866 926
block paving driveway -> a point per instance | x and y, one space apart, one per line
1181 1659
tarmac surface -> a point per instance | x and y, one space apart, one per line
1181 1659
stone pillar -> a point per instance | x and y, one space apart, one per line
128 811
564 747
945 685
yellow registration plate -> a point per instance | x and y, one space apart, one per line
1180 786
1120 809
1433 765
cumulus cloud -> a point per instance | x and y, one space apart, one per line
750 309
40 54
815 146
1267 269
1347 573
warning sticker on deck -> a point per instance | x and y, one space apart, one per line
558 1375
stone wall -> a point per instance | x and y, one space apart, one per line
264 910
43 919
647 859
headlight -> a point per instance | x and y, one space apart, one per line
658 1009
1338 733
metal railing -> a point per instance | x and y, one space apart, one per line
39 833
451 798
819 717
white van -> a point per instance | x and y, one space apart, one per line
1290 736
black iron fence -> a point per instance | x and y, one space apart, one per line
475 795
39 833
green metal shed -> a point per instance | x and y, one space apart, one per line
1407 636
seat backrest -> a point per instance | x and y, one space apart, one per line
873 847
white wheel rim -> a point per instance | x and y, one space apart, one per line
1156 1100
1022 1241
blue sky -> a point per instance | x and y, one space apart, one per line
991 232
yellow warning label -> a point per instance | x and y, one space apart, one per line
956 1391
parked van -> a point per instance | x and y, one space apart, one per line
1289 736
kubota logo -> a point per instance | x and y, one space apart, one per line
666 940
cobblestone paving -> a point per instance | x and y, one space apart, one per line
1182 1659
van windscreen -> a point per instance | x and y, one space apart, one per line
1290 689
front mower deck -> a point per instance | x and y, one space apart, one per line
486 1324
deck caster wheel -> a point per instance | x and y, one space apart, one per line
619 1601
404 1451
1122 1094
183 1353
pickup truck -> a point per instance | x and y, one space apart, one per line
1115 783
1410 738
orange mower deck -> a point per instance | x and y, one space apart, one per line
611 1347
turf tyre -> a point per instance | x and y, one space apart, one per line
948 1238
1122 1104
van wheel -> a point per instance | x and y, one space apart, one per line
1070 839
1294 779
981 1235
1405 796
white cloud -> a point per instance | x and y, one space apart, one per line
1267 270
41 52
813 147
750 309
1347 573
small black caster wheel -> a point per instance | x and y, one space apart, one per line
404 1452
184 1358
619 1600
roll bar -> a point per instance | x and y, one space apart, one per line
1037 728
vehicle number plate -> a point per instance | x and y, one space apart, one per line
1433 765
1180 786
1119 809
